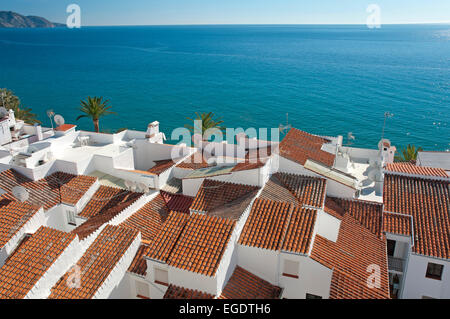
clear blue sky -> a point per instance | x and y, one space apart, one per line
154 12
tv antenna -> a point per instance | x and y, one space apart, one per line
59 120
286 127
50 115
20 193
386 116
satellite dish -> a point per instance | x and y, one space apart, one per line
3 112
20 193
59 120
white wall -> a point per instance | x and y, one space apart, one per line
313 278
191 186
261 262
417 285
327 226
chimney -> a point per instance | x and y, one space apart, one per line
38 132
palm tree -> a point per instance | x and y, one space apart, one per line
11 102
408 154
95 107
207 124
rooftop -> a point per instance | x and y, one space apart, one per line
31 260
175 292
96 264
227 200
279 226
427 201
245 285
56 188
299 146
412 169
13 216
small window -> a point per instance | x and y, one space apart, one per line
390 247
434 271
142 290
290 268
311 296
161 277
71 218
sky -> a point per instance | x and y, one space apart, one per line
176 12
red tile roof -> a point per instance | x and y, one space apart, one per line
299 146
177 202
309 191
349 258
409 168
397 224
333 208
49 191
213 196
103 199
96 264
245 285
149 219
94 223
166 239
175 292
65 127
195 161
368 214
279 226
254 159
139 265
161 166
427 201
13 216
201 244
31 260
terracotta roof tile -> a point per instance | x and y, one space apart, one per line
245 285
65 127
166 239
175 292
266 225
31 260
349 258
161 166
409 168
149 219
103 199
254 159
177 202
94 223
368 214
223 199
427 201
49 191
300 230
397 224
97 263
333 208
279 226
13 216
202 244
300 146
195 161
139 265
309 191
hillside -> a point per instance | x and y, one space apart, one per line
9 19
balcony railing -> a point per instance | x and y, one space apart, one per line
395 264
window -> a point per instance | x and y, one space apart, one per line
290 268
161 277
390 247
311 296
71 218
142 290
434 271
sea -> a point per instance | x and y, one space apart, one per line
324 79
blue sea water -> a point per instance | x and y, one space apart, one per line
330 79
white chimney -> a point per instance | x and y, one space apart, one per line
38 132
